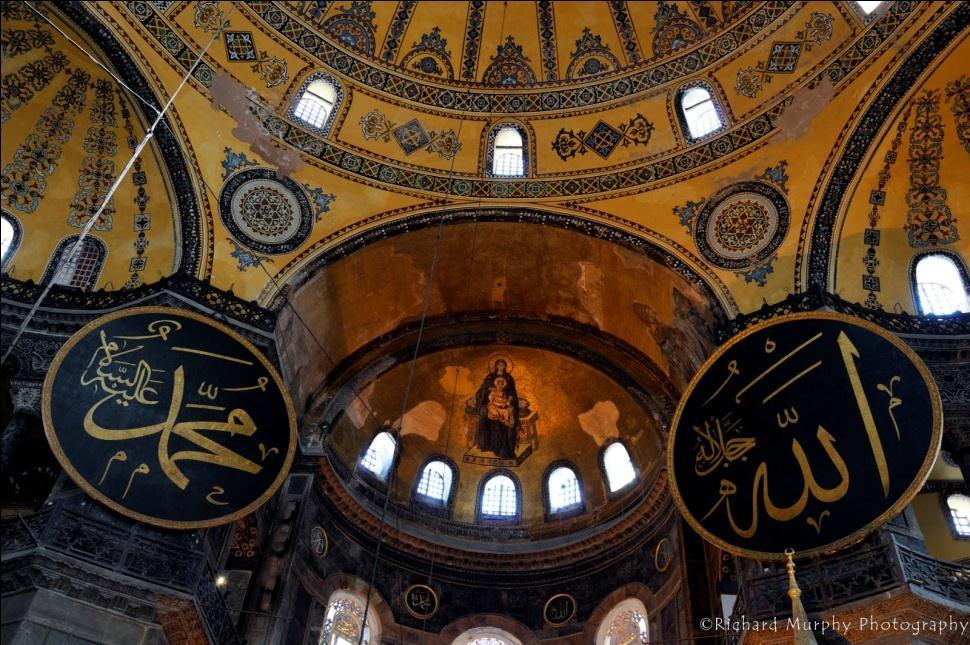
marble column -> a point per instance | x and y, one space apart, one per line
26 414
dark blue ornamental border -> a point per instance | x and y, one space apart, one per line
759 188
865 133
185 201
274 248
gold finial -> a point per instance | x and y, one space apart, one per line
793 591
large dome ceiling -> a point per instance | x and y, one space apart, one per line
515 44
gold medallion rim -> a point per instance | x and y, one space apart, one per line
656 553
553 597
437 602
55 445
897 507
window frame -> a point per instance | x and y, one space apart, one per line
611 494
18 236
569 511
489 148
62 247
481 516
914 285
945 505
716 100
369 476
875 14
433 505
322 130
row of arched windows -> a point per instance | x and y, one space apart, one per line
499 496
626 623
68 267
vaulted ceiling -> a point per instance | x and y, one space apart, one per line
812 93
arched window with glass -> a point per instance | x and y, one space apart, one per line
344 620
316 102
10 235
78 267
940 284
435 483
699 111
563 490
499 498
618 467
625 624
507 150
379 456
958 505
486 636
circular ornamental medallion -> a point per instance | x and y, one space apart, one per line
267 213
807 432
742 225
169 418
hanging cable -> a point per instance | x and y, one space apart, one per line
79 244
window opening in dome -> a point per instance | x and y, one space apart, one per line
499 497
380 455
435 482
619 469
940 288
315 103
564 490
508 158
700 112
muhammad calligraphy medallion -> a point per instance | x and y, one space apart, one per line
169 418
807 432
421 601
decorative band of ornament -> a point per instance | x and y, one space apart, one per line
411 136
958 92
19 294
603 139
627 179
540 100
877 199
929 220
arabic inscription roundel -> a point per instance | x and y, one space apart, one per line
807 432
169 418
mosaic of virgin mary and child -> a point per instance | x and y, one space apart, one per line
500 414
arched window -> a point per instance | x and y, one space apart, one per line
868 6
508 152
500 498
940 285
618 467
699 111
435 482
344 620
317 101
563 489
486 636
76 267
959 506
380 456
10 234
626 623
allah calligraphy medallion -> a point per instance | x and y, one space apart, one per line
559 609
169 418
807 432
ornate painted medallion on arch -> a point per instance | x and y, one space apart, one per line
742 225
267 213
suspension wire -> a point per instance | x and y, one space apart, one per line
79 243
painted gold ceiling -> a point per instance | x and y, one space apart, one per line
811 93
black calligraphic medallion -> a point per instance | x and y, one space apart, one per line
804 432
421 601
559 609
169 418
